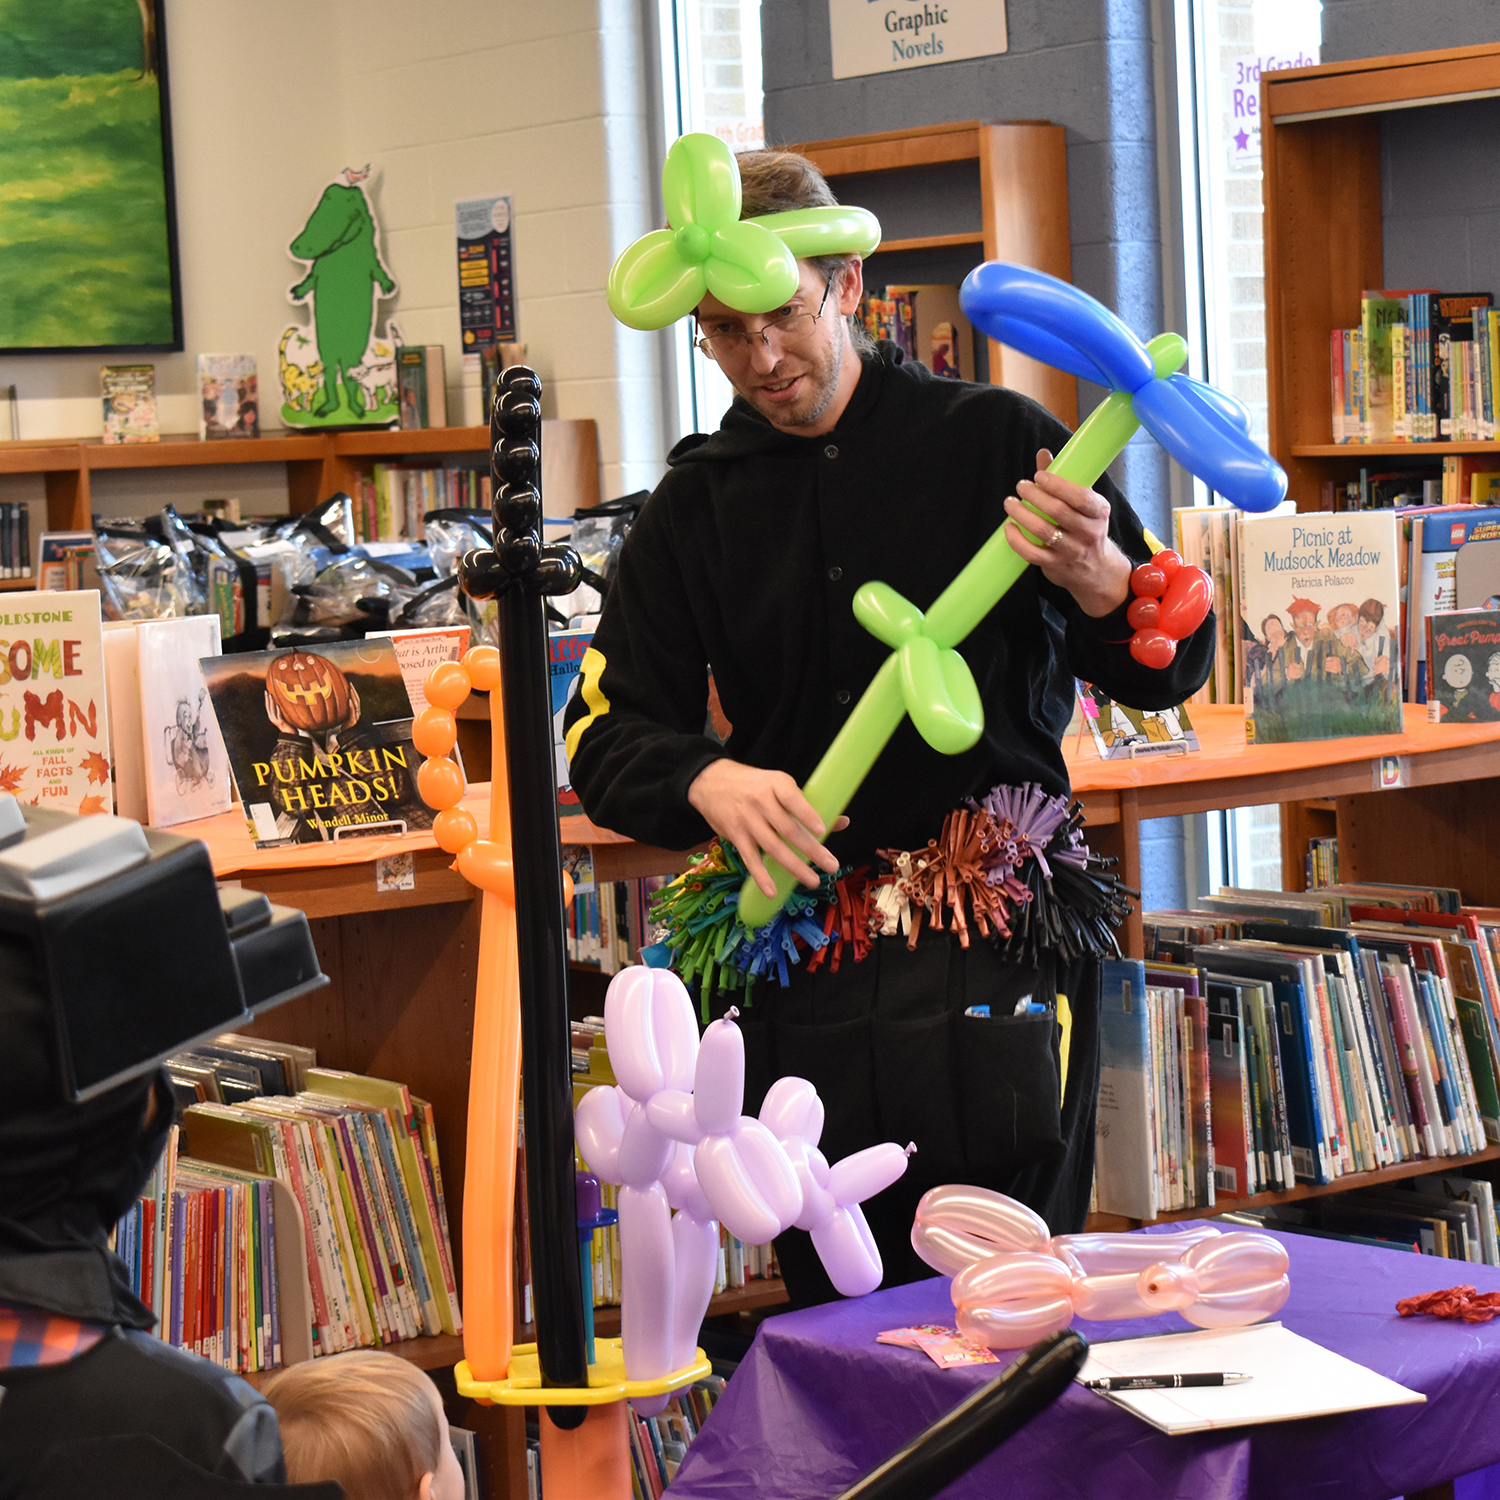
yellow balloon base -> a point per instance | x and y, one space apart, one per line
607 1380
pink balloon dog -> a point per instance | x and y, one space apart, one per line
1014 1284
672 1137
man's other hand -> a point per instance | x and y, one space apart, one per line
1063 529
763 812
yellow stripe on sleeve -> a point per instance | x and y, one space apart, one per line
590 670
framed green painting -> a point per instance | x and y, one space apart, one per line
88 230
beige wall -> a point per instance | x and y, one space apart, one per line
445 99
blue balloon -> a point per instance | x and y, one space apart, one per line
996 295
1231 408
1196 434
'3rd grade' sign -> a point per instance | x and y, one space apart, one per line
885 36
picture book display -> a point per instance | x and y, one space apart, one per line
1452 565
1463 654
129 393
1319 605
182 752
1120 732
319 741
565 652
230 404
54 715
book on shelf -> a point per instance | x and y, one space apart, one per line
228 404
65 561
1445 1214
1463 653
1361 1040
356 1159
129 398
1318 601
394 502
1120 732
1423 366
337 759
167 742
659 1444
420 386
926 322
54 709
15 539
1450 566
565 652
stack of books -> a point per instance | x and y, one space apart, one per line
1348 1030
204 1247
1422 367
297 1211
392 504
1443 1214
659 1444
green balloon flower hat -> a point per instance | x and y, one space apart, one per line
707 249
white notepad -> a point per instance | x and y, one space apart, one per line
1292 1378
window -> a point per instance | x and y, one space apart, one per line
1223 48
711 80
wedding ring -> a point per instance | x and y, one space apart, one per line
1054 538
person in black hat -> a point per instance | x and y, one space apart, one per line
93 1403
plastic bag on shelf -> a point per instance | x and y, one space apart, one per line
143 576
598 534
351 596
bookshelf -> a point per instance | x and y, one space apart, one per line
317 464
1321 151
987 192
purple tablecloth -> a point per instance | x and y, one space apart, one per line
818 1403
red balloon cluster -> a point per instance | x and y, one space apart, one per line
1172 599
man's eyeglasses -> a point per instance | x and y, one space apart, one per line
791 327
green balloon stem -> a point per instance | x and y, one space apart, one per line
978 588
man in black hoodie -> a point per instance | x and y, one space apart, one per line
839 464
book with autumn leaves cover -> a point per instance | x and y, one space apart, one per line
319 741
54 721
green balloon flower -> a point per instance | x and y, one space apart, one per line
748 264
937 687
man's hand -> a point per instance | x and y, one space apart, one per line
763 810
1070 540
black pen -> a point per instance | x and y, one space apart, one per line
1117 1383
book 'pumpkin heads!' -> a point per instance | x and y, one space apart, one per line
308 694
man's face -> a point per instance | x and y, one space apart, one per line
1366 628
1342 618
1305 625
1275 634
792 381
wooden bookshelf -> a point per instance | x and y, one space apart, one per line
1020 214
1419 1168
317 463
752 1297
1321 157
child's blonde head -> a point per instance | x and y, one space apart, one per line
370 1420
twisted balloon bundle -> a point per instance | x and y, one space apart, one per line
1203 429
672 1136
1013 1283
748 264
